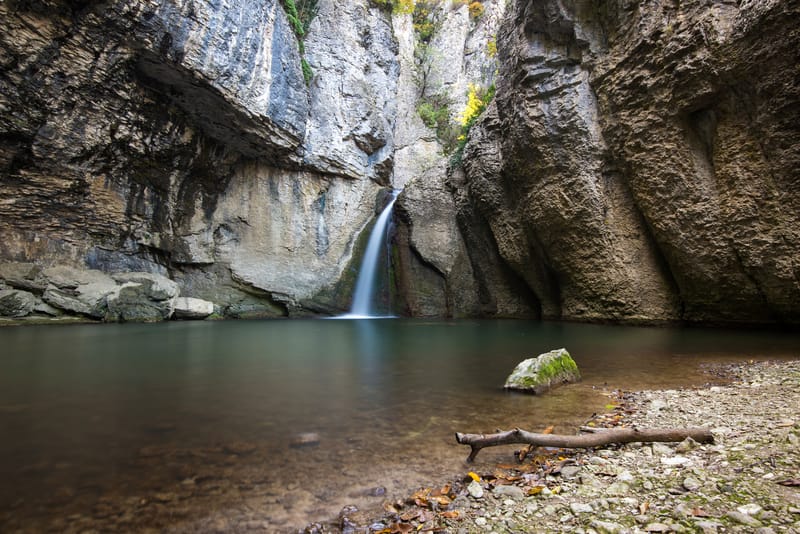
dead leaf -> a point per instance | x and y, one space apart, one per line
441 500
699 512
410 515
474 476
450 514
644 507
791 482
548 430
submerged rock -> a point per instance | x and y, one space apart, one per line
548 370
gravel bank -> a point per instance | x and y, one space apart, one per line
745 482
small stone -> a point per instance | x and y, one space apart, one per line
661 449
686 445
749 509
691 483
475 490
793 439
305 439
674 460
618 488
581 508
607 527
515 492
764 530
744 519
570 471
657 527
480 521
708 527
625 476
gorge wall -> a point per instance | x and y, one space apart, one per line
639 161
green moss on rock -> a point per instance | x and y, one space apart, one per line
548 370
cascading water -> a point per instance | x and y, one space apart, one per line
363 306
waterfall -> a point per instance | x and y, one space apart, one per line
363 298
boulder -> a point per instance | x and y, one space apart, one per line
80 291
142 297
192 308
16 303
25 276
546 371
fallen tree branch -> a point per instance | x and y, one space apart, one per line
581 441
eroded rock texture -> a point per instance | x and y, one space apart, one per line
179 137
640 160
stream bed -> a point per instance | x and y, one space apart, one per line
266 426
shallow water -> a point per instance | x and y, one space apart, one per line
189 426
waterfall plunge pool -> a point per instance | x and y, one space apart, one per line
190 426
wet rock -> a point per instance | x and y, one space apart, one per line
16 303
548 370
305 439
192 308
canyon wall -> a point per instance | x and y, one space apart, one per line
180 138
638 163
640 159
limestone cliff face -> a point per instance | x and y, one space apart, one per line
638 163
640 160
179 137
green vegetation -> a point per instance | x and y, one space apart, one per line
478 99
300 14
396 6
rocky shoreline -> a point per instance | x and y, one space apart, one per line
746 481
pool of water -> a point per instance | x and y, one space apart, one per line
188 426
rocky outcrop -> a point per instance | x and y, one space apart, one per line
192 308
637 162
86 293
437 274
180 138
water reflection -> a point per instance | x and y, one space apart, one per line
81 403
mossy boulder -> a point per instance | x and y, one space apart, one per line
546 371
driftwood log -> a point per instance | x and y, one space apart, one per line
596 439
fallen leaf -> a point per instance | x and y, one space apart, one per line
791 482
450 514
535 490
474 476
441 500
548 430
409 515
699 512
644 507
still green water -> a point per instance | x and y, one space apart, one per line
189 425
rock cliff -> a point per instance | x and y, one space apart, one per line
179 137
639 161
